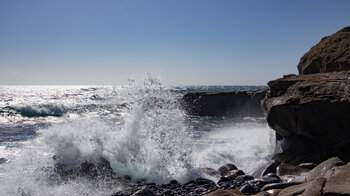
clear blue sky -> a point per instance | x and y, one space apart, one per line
183 42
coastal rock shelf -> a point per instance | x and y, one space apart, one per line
312 110
241 103
312 113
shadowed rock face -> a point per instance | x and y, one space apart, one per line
331 54
312 113
243 103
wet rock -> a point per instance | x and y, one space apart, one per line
287 169
224 179
332 53
244 178
203 181
244 103
282 185
269 167
126 177
270 178
88 169
249 189
145 191
225 169
313 188
211 172
320 170
274 192
3 160
174 182
308 165
232 192
237 172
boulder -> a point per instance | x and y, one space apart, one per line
338 181
332 53
242 103
232 192
312 113
225 169
313 188
320 170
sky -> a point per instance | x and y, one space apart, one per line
181 42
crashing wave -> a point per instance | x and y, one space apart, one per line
41 111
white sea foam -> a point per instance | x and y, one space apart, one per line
147 138
37 111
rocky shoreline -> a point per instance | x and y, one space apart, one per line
310 113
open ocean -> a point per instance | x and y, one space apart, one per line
138 127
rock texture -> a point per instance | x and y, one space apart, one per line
243 103
312 113
331 54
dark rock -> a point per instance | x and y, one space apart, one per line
320 170
244 178
145 191
167 192
249 189
224 179
282 185
232 192
313 188
270 179
269 167
238 172
87 169
3 160
312 113
174 182
225 169
332 53
287 169
308 165
243 103
202 181
210 172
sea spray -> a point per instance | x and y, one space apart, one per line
137 127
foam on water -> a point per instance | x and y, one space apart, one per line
141 131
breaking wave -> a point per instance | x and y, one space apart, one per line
41 111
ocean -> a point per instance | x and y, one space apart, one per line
139 127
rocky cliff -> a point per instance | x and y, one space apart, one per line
242 103
312 111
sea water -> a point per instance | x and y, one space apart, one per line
139 127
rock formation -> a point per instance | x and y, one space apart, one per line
331 54
312 111
242 103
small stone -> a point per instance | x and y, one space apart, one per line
270 179
202 181
225 169
249 189
145 191
126 177
224 179
243 178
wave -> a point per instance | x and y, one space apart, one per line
41 111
